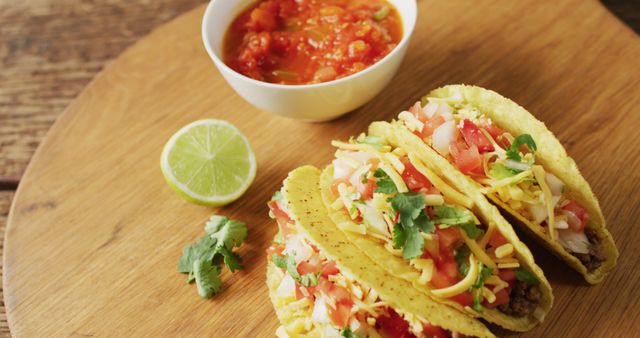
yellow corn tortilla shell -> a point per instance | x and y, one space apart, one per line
511 117
302 194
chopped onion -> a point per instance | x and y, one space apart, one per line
443 136
320 314
574 241
341 169
287 287
538 212
446 111
561 224
430 109
517 165
555 184
356 177
373 218
297 247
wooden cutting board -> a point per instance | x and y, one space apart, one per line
95 233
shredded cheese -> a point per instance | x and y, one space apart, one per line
344 156
337 204
433 200
508 265
487 235
539 173
412 123
478 251
462 285
426 267
488 295
507 181
399 152
360 147
395 162
504 250
450 193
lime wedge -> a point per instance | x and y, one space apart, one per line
209 162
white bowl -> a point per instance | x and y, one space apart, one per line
312 102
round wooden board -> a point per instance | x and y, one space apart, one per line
94 233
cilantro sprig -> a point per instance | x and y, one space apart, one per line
524 275
202 260
485 272
448 216
525 139
287 262
347 333
384 184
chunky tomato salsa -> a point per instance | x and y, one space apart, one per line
310 41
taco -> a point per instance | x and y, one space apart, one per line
440 234
518 164
321 285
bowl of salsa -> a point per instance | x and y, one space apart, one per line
312 60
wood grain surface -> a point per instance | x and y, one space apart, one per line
111 273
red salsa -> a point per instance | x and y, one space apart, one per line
310 41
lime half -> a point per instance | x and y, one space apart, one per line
209 162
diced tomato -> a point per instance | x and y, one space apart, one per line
265 17
448 238
342 298
507 275
440 280
306 267
492 129
413 178
336 183
435 331
329 268
282 218
304 292
430 125
449 267
464 299
474 137
581 214
468 160
497 239
393 325
275 249
366 190
502 297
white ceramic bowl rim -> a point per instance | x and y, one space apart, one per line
406 35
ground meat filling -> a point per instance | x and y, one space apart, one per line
596 254
523 300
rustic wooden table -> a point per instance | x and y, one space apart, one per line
49 50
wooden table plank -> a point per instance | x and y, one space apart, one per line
49 51
5 204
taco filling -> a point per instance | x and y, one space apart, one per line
392 196
328 301
505 165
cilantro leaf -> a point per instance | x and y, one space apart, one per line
288 263
203 249
207 278
399 237
226 232
409 205
452 215
347 333
202 260
485 272
500 171
472 230
424 223
231 259
525 276
462 258
413 245
384 184
514 152
309 279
